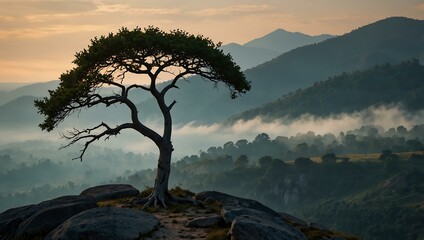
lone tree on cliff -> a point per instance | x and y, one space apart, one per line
148 52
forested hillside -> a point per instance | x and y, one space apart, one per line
381 85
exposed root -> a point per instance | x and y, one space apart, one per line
160 199
157 199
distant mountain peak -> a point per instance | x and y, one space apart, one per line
281 40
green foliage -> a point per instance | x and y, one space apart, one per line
108 59
241 162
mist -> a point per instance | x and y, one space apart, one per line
190 138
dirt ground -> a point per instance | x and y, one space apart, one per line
173 226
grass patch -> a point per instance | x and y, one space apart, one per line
182 193
217 233
145 192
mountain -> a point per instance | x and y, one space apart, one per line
391 40
248 57
265 48
381 85
9 86
283 41
19 112
35 90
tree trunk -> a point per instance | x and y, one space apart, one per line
160 194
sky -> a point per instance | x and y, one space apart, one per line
38 38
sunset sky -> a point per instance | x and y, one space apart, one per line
38 38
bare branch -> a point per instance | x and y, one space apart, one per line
171 105
137 86
89 134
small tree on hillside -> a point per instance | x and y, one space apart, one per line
241 162
329 158
108 60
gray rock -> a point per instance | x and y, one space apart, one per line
292 219
10 220
229 213
233 201
253 228
106 223
48 218
41 218
319 227
205 221
250 219
110 191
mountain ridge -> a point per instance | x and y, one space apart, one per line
269 46
381 85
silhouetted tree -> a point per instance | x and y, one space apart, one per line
303 162
329 158
108 60
265 161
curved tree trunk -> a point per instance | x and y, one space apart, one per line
160 194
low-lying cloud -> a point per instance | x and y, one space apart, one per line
190 138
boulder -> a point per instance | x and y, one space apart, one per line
229 213
318 226
205 221
10 220
106 223
39 219
229 200
48 218
250 219
110 191
253 228
294 220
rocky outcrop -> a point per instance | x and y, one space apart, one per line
10 220
79 217
248 227
110 191
228 200
106 223
37 220
250 220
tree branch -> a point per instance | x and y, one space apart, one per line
76 135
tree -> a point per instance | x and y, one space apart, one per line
149 52
265 161
329 158
241 162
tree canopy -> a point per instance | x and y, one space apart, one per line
152 51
